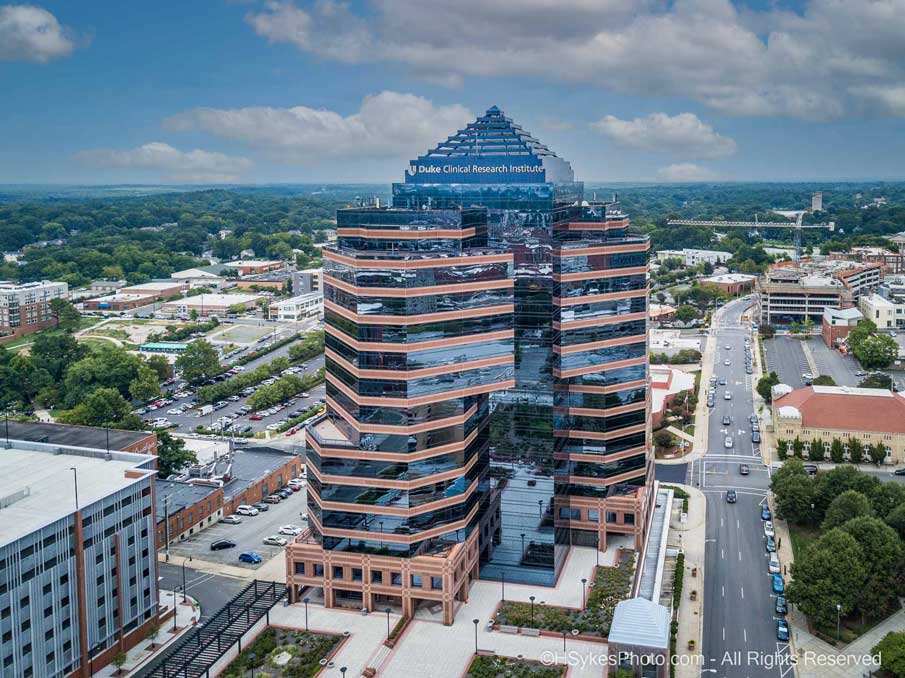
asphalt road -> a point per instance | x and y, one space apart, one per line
248 535
212 591
739 624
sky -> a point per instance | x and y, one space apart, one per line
301 91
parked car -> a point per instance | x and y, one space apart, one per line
292 530
779 586
256 417
765 513
252 557
773 566
755 437
770 544
782 630
285 493
275 540
246 510
782 606
231 520
768 529
731 496
899 472
221 544
811 469
261 506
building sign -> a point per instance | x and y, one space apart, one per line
476 170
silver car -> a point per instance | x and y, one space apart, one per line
727 442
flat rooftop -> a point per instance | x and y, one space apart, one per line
37 483
173 496
215 300
73 436
253 464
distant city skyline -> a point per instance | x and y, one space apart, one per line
294 91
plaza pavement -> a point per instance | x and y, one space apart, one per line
429 649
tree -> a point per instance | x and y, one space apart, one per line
892 653
845 507
199 361
842 478
864 329
767 331
795 327
664 439
883 553
877 351
793 467
798 447
855 451
65 315
877 453
886 497
119 660
765 386
146 385
686 313
837 451
828 573
152 633
172 455
896 520
56 352
794 498
782 449
103 407
193 314
876 380
807 325
160 365
816 451
824 380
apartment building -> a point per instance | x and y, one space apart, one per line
310 305
693 257
78 574
26 308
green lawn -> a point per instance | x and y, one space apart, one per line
263 658
801 537
611 585
495 667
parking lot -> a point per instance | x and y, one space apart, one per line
186 423
786 356
248 535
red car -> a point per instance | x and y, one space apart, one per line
291 431
256 417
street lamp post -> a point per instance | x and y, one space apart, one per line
388 610
838 620
476 622
184 587
305 600
503 585
174 608
343 669
584 584
531 598
75 482
564 634
522 556
540 508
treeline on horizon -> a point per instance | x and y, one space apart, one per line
119 232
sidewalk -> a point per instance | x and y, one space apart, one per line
187 615
690 537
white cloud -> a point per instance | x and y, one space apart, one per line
388 124
736 61
191 167
30 33
684 172
683 134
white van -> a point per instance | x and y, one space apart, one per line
246 510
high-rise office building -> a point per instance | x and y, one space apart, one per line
487 382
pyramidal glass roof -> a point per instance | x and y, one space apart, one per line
492 134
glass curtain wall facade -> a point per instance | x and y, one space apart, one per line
486 364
